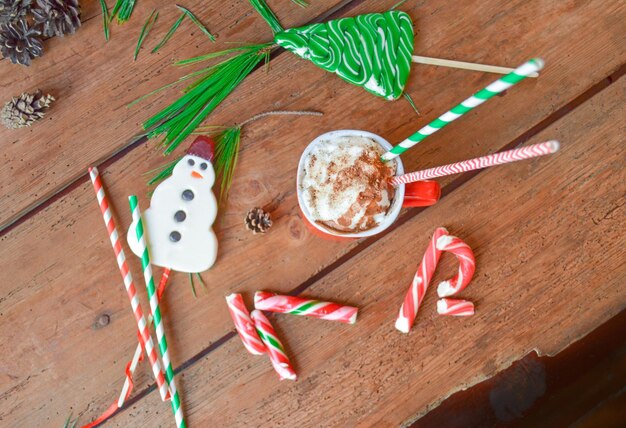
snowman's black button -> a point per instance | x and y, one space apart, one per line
188 195
180 216
175 236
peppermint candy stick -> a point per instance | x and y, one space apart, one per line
298 306
417 290
244 325
494 159
275 349
467 265
455 307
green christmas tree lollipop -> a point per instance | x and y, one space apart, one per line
372 51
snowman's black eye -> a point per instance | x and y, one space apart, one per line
203 165
191 162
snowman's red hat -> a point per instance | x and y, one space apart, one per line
203 147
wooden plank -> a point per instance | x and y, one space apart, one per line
288 255
550 269
94 81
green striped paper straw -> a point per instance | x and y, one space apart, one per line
500 85
156 312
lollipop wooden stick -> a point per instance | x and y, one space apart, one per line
465 65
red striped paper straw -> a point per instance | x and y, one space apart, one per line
128 383
129 284
508 156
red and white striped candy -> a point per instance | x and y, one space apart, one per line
142 325
455 307
418 288
275 349
467 265
298 306
494 159
244 325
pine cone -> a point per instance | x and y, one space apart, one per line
20 43
58 17
24 110
12 10
258 221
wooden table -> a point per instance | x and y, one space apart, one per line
548 233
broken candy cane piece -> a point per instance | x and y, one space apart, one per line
455 307
467 265
275 348
244 325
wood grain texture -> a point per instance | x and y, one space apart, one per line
534 228
94 81
63 276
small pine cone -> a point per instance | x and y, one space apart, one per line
58 17
19 42
258 221
12 10
24 110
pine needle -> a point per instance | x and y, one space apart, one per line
206 57
145 30
400 3
226 155
105 19
69 423
170 33
197 22
214 83
410 100
266 13
201 281
122 10
193 286
163 171
301 3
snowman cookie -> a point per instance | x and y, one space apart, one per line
182 211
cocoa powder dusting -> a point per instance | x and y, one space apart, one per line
375 175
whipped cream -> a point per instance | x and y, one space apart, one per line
345 186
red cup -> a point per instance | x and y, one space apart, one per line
418 194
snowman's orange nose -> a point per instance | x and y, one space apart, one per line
196 174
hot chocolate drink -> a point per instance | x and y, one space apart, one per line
345 185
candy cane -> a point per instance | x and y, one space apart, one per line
275 349
455 307
244 325
417 290
298 306
467 265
